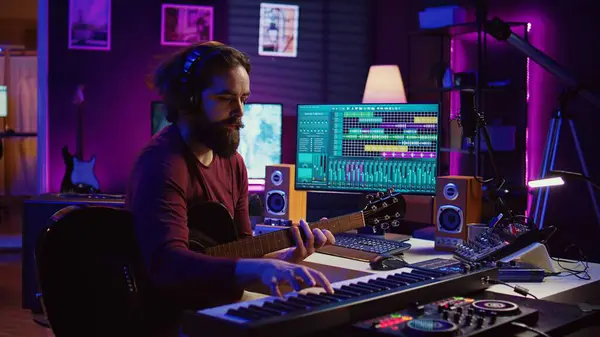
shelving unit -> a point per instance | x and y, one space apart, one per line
491 102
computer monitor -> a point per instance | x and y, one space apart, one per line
368 147
3 101
158 117
260 139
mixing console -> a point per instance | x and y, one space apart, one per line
368 147
455 316
495 243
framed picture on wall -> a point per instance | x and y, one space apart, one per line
89 24
182 25
278 30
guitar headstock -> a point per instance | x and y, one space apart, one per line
78 97
384 209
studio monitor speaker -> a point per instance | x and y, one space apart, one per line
457 203
282 201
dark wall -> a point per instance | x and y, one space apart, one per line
332 63
334 55
560 29
117 110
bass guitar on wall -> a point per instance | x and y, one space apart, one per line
79 174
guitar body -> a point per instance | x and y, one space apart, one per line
83 173
79 175
210 224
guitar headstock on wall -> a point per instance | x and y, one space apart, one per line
78 97
384 209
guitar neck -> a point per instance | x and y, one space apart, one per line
79 136
263 244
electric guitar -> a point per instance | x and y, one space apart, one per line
79 174
212 231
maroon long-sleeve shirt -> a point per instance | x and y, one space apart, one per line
161 188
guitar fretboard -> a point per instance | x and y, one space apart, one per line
258 246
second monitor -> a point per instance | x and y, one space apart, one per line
368 147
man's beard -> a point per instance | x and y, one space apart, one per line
220 136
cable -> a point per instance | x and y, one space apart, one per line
582 274
517 288
575 175
527 327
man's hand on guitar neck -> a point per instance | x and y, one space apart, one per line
315 239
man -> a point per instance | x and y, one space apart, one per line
204 87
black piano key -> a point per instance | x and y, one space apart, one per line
293 305
334 297
316 298
341 297
281 307
264 311
384 283
257 312
372 286
367 290
354 290
323 296
344 292
414 276
425 274
243 314
394 280
399 278
304 301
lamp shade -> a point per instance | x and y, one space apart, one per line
384 85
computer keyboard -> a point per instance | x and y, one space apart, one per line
370 244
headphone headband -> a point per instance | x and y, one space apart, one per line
199 55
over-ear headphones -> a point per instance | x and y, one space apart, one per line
196 57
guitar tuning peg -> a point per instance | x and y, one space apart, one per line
370 197
380 195
390 191
395 223
385 226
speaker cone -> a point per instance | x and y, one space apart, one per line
275 202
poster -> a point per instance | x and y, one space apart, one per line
89 24
182 25
278 30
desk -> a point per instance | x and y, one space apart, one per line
555 318
568 289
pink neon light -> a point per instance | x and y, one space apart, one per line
527 154
454 108
256 188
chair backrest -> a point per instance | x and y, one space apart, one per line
90 273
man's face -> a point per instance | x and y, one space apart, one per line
223 108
